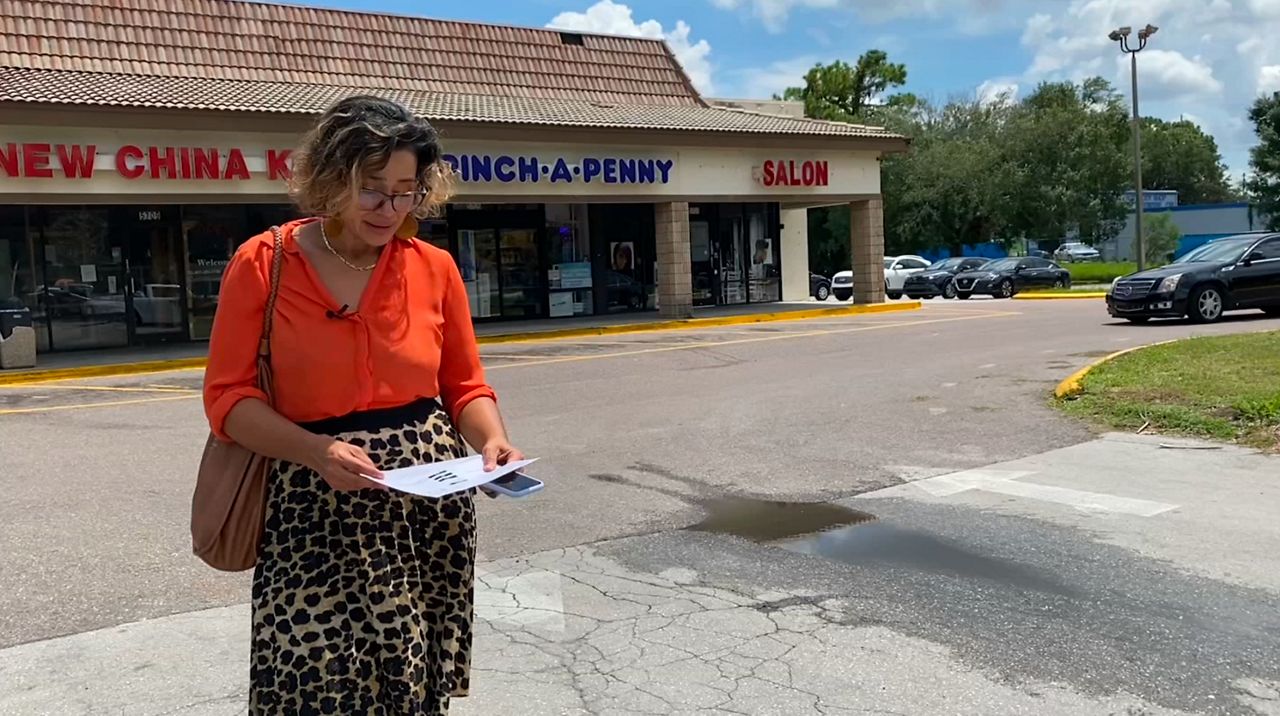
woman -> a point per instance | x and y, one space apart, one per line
362 597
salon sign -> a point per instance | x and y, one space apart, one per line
532 169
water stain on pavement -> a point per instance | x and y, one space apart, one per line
836 533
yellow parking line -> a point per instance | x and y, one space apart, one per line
761 339
101 388
80 406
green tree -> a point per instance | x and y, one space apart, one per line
1067 143
1180 156
954 187
1163 236
1264 159
840 92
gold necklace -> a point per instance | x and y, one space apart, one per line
324 236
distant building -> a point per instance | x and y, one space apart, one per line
1199 223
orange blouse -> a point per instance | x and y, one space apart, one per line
410 337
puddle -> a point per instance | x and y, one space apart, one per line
767 521
837 533
858 538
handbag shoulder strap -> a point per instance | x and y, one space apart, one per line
277 260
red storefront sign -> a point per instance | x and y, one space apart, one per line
35 160
793 173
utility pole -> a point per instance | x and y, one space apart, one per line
1122 36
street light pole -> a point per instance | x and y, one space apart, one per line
1122 36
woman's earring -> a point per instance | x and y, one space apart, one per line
408 229
333 226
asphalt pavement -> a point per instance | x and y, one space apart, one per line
983 554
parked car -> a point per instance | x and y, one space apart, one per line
1229 274
1075 252
1003 278
819 286
938 279
896 271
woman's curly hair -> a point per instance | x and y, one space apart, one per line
356 136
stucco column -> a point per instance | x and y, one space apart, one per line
866 237
675 282
795 254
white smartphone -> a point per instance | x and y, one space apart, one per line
515 484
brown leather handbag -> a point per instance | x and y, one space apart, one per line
230 499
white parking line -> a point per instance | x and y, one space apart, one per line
1005 482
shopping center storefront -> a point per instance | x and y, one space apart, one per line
591 178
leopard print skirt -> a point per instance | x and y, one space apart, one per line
362 601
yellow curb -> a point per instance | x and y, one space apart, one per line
28 377
1074 384
695 323
99 371
1050 296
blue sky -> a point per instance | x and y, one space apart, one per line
1207 63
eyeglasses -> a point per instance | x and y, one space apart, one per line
373 200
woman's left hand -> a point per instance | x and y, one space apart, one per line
499 451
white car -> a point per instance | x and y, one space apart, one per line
896 271
1074 251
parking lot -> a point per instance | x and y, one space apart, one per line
662 452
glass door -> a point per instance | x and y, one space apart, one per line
521 274
152 243
83 291
479 263
733 275
702 264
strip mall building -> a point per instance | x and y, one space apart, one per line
142 140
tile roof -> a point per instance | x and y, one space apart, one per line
95 88
256 57
260 42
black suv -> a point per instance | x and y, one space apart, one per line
1233 273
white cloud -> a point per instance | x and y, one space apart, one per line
612 18
1209 56
764 82
998 90
973 16
774 13
1168 72
1269 79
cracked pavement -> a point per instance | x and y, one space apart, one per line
998 560
636 643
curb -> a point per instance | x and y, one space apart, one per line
1050 296
163 366
1074 383
99 371
695 323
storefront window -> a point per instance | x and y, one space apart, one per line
766 278
212 234
18 285
500 259
83 294
569 278
624 246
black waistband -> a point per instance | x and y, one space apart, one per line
376 419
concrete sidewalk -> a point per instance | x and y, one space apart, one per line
118 361
690 623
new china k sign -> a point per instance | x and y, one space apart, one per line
789 172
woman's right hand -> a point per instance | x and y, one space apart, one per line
342 465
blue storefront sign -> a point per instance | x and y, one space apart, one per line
508 169
1153 199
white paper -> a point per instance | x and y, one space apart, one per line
89 273
438 479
